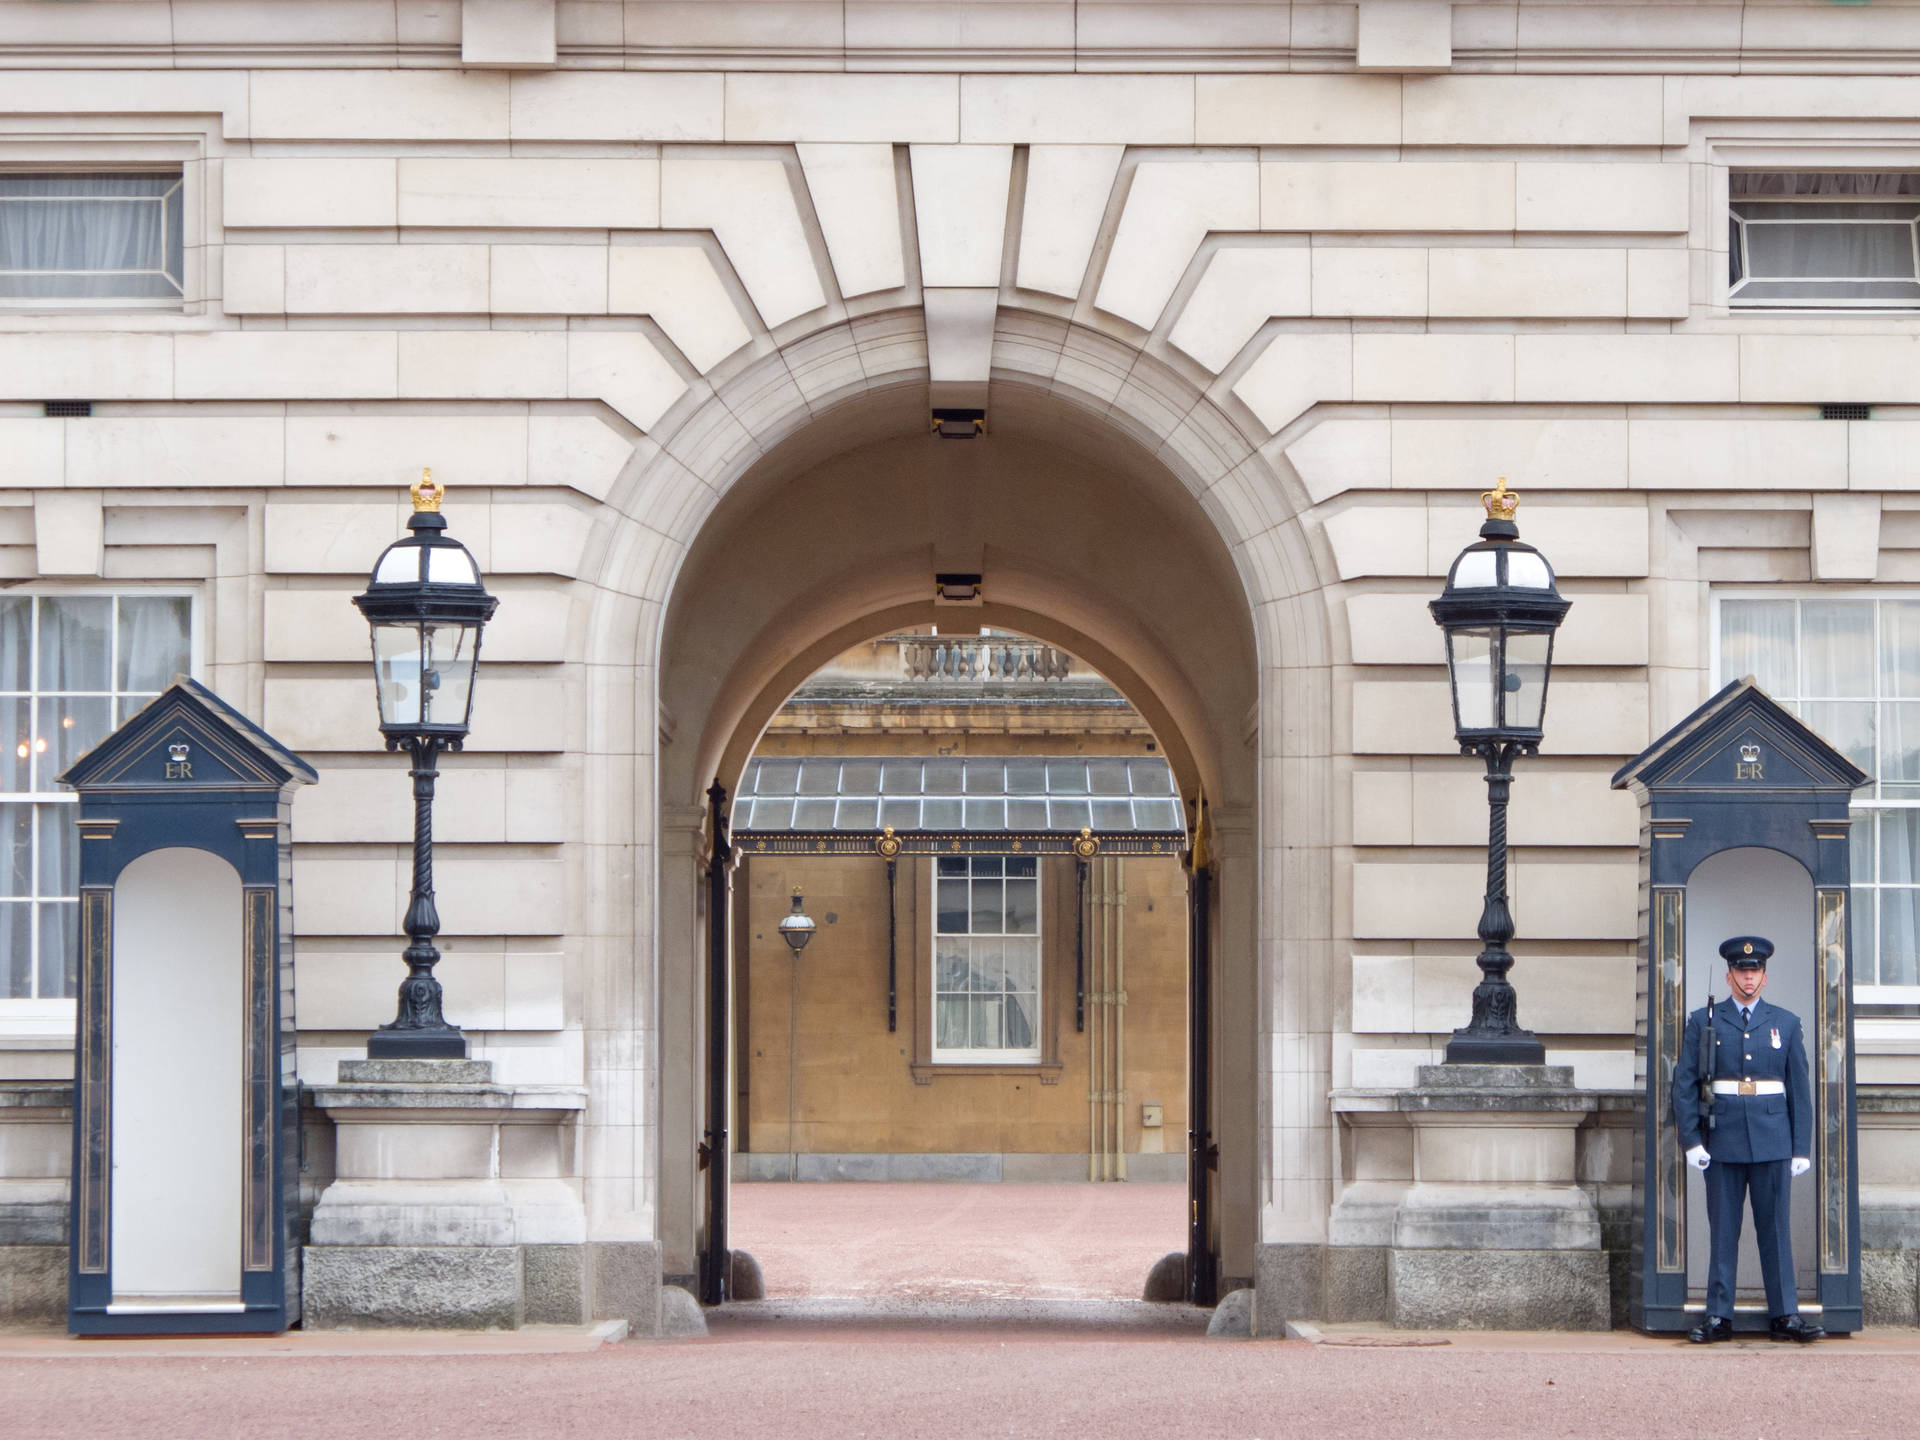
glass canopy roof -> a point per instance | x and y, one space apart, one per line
1106 794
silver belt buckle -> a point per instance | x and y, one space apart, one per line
1747 1087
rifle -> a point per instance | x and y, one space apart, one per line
1712 1059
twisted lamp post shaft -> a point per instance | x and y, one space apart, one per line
1493 1035
420 1029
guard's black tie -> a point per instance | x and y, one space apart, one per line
1746 1017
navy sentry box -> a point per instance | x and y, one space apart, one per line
185 1110
1744 830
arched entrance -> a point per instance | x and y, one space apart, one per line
1111 510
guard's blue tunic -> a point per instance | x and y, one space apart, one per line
1752 1139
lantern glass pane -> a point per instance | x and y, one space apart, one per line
1474 570
396 673
451 565
1470 662
1528 572
399 566
449 680
1526 678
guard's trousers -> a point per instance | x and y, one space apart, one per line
1728 1186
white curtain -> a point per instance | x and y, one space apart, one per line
1756 638
71 237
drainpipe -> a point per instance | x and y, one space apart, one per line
1120 1018
1094 1087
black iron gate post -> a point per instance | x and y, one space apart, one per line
1202 1280
716 1259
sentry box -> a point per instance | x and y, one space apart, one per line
1744 830
185 1111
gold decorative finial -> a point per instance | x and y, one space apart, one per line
1500 501
427 494
1201 859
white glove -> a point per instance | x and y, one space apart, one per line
1698 1158
1800 1166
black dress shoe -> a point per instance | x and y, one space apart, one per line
1714 1327
1796 1328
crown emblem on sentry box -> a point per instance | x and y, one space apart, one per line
177 752
1750 754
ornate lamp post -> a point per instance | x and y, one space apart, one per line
425 606
1499 611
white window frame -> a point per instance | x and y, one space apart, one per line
1863 994
956 1055
49 1023
176 198
1909 221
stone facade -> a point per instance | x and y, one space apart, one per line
1257 297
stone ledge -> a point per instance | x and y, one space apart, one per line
413 1288
1499 1289
416 1072
447 1097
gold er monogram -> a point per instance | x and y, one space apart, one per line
1748 765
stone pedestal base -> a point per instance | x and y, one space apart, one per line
456 1203
1499 1289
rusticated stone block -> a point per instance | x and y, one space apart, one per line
33 1284
1356 1283
1289 1282
554 1279
409 1287
625 1279
1499 1289
1890 1287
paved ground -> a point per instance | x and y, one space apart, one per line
958 1242
919 1349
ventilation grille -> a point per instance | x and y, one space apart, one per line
55 409
1846 412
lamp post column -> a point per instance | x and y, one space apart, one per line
420 1029
1493 1036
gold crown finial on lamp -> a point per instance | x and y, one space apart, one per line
1500 501
427 494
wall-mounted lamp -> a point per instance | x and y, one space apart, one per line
797 927
955 589
959 424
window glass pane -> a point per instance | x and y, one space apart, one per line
1066 777
128 706
1899 847
1900 647
1022 960
987 865
951 865
153 643
1860 848
860 777
777 777
16 950
942 777
59 848
950 965
1113 815
1026 814
58 949
1899 936
1472 654
900 814
772 814
1899 767
1023 907
1866 954
90 236
16 766
986 1022
940 814
951 1024
986 777
16 642
741 816
1021 865
16 876
1019 1017
1847 725
1070 815
988 974
1836 648
1756 638
900 777
819 777
1108 777
986 814
813 815
988 907
75 641
1156 815
1029 777
1865 249
951 907
70 725
858 815
1152 777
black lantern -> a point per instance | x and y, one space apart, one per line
1499 612
796 927
426 607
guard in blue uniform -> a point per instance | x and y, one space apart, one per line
1757 1136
